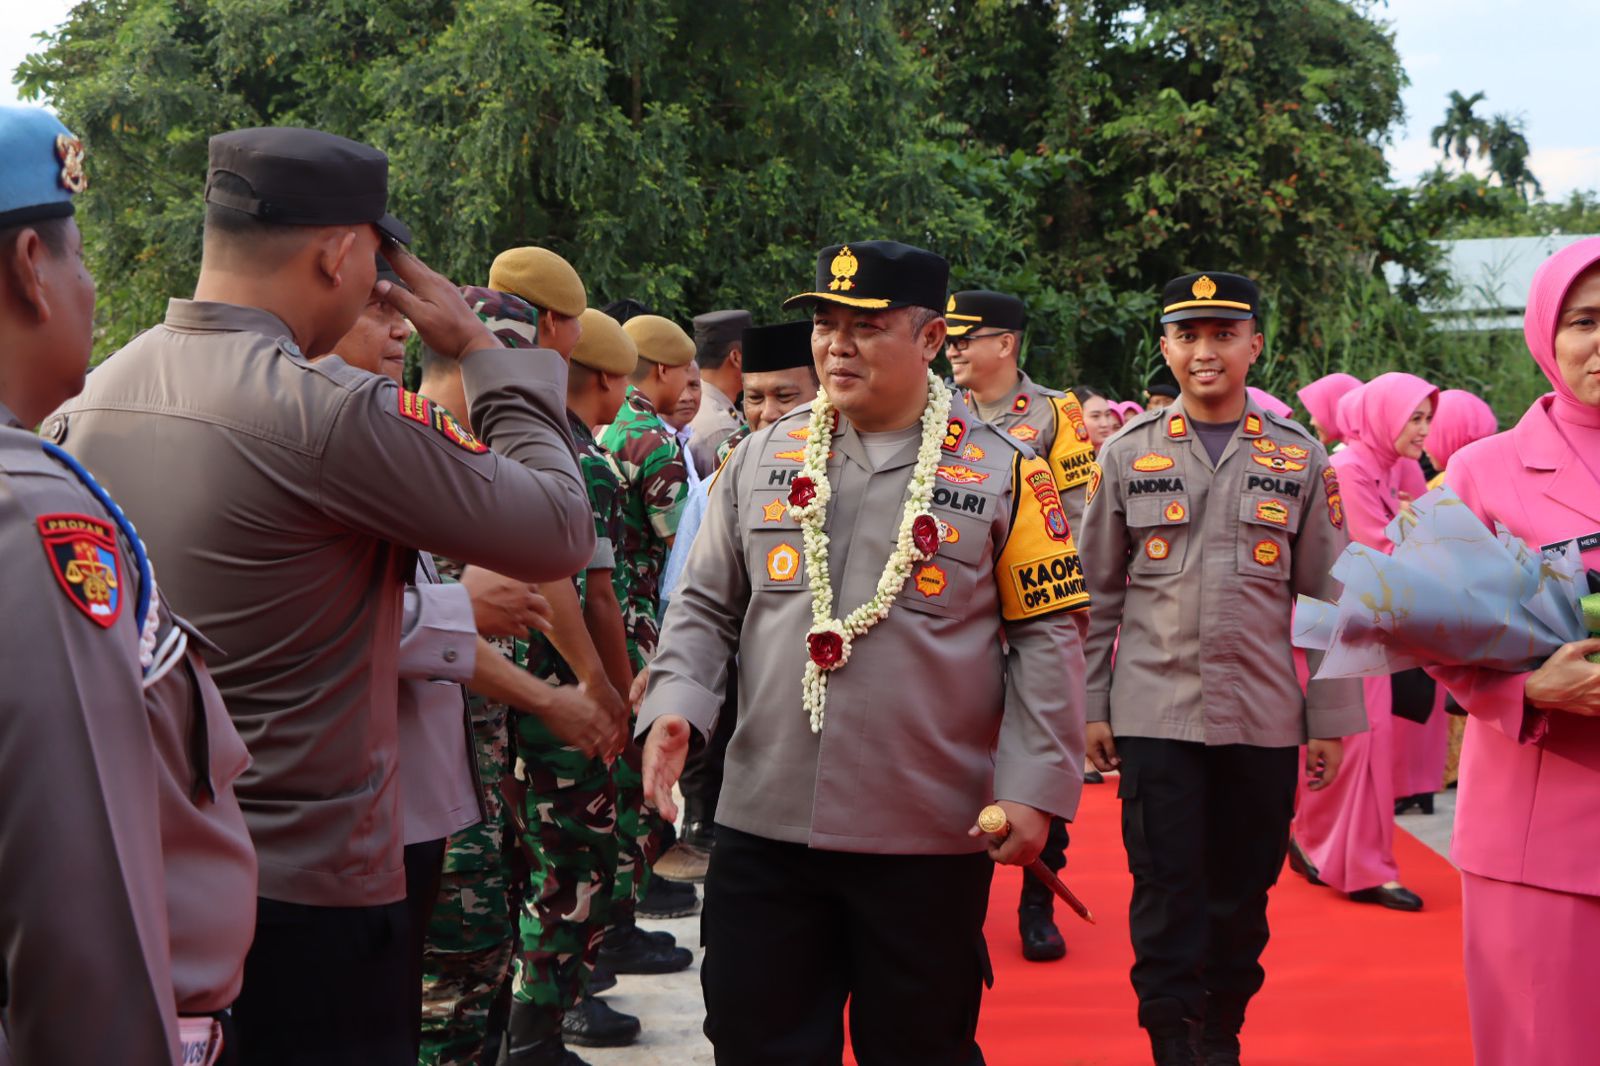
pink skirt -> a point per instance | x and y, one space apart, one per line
1420 751
1533 965
1347 829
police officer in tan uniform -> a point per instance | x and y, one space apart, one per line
127 879
719 352
867 742
986 330
286 501
1210 518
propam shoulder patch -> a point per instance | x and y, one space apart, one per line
83 556
1038 572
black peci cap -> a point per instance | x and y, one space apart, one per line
982 309
876 276
301 177
1214 295
786 346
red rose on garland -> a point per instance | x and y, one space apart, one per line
925 535
827 649
801 492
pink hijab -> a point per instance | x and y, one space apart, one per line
1344 414
1460 419
1321 399
1379 410
1550 284
1270 403
1127 409
1371 472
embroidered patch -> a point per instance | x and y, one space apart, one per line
454 432
961 475
1094 485
1274 511
1279 463
1026 434
1264 446
1055 519
1152 462
1330 489
796 456
803 433
1021 404
1177 427
783 563
1157 548
1074 409
931 581
416 408
1266 552
774 511
972 452
83 556
955 431
1294 451
948 534
1252 425
1175 512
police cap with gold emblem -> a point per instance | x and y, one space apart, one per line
1210 295
876 276
541 277
605 345
975 309
298 177
42 168
660 340
786 346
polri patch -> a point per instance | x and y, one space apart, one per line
1157 548
783 563
774 511
1330 489
1274 511
454 432
798 455
1151 462
961 475
931 581
1294 451
1175 512
1266 552
1094 485
1279 463
972 452
83 556
1265 445
1055 518
1026 434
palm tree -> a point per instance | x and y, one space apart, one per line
1506 147
1460 127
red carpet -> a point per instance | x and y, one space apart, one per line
1346 982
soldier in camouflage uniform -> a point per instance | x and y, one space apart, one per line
654 487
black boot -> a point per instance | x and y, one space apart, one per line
629 949
531 1041
1041 940
1219 1036
1174 1036
667 899
593 1022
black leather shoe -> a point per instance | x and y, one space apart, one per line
1396 899
1422 803
1092 776
630 949
592 1022
602 979
668 899
1219 1034
548 1052
1041 940
1302 865
1173 1046
699 832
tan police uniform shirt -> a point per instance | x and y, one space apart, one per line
282 501
714 423
127 878
1199 568
1051 423
969 690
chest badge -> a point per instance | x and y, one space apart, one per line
1294 451
774 511
1157 548
1151 462
1175 512
1267 552
1279 463
972 452
783 563
961 475
1273 511
1026 434
798 455
1264 446
83 557
931 581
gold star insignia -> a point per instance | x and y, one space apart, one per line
774 511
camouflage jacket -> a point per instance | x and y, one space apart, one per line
727 446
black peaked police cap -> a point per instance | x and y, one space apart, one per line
975 309
1210 295
876 276
782 347
299 177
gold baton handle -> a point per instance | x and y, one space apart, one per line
992 820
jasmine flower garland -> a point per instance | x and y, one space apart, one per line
830 639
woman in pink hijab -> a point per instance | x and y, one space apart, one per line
1527 832
1321 401
1344 834
1462 418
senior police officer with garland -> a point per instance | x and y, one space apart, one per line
290 535
859 555
127 877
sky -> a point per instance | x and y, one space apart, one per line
1531 58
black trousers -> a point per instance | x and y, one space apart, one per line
424 871
327 986
1034 894
1206 830
792 934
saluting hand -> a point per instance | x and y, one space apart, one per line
503 606
1567 681
665 751
434 305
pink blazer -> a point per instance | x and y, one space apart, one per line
1529 804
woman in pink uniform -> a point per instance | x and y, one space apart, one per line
1422 749
1527 833
1345 833
1321 401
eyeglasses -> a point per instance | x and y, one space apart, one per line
960 344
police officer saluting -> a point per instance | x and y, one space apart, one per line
286 501
1210 519
127 879
859 554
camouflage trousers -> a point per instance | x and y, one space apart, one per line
470 943
567 825
639 834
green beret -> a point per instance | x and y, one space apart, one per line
660 340
604 345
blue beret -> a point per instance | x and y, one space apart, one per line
41 166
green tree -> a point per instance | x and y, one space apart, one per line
1461 127
1505 145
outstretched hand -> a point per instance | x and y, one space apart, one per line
666 749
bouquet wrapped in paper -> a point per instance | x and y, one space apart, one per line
1453 593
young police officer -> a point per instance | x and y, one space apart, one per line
1210 519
